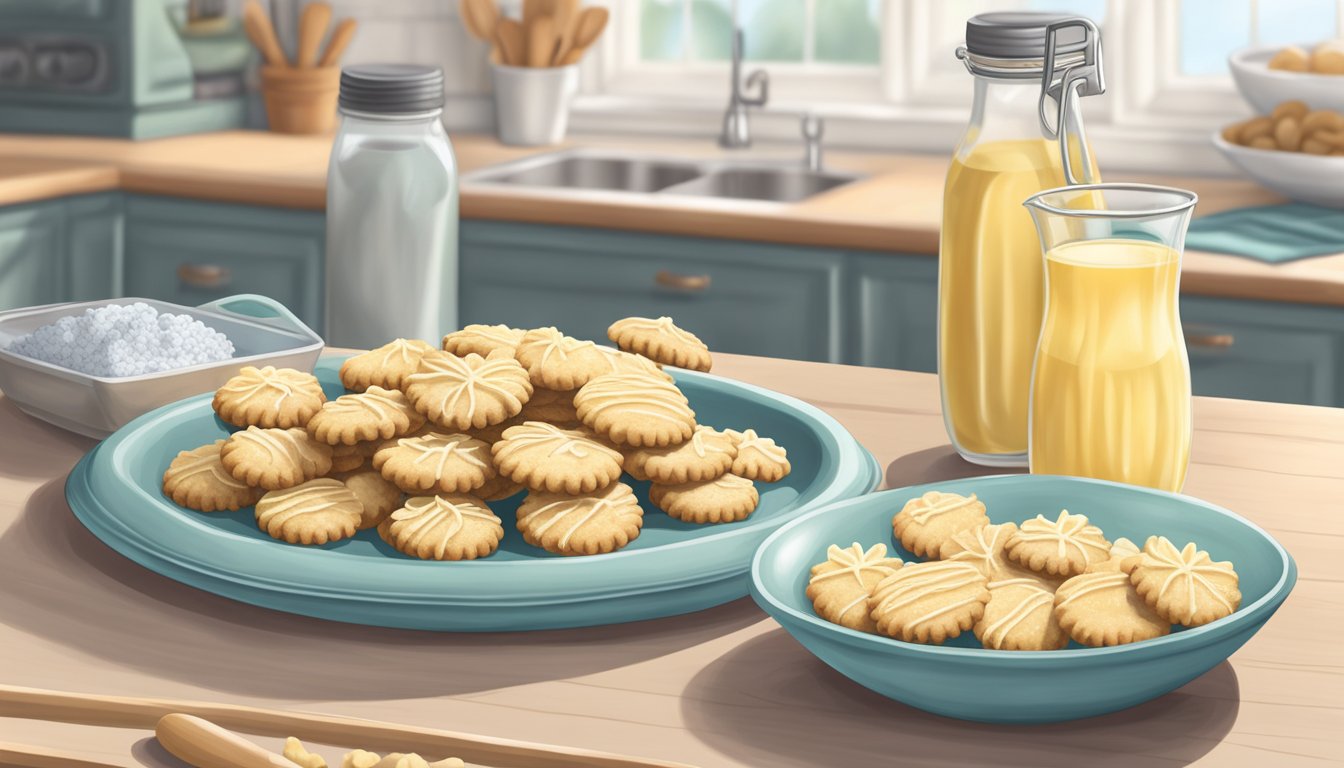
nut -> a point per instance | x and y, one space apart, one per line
1328 59
1292 59
1263 142
1314 146
1295 109
1322 119
1288 133
1255 128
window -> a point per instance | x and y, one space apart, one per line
784 31
1212 29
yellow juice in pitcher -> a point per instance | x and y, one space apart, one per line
1111 384
991 294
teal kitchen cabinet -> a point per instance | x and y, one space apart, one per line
190 252
750 298
1261 350
60 250
893 311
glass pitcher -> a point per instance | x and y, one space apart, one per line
1110 389
1025 135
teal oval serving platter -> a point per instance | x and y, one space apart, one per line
672 568
963 680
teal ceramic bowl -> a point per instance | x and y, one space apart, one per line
672 568
962 679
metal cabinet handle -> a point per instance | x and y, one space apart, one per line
204 275
1221 340
688 283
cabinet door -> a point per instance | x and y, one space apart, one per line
191 252
94 243
749 298
1263 350
894 311
32 250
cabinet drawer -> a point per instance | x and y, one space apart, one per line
191 252
32 255
1263 351
894 311
738 297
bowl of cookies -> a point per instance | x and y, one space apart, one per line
1022 598
502 480
1294 150
1268 75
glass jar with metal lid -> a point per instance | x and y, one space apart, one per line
1025 135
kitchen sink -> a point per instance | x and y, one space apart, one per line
588 171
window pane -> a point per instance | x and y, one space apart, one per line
660 30
847 31
773 28
1210 30
711 30
1283 22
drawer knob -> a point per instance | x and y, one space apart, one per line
1221 340
204 275
679 282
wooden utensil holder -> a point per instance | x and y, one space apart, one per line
300 101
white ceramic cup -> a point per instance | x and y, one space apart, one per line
532 103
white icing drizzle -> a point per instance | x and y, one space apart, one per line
982 550
1067 531
1080 586
287 445
550 341
662 325
853 561
1189 564
442 448
408 350
471 378
750 441
317 497
501 335
202 463
1037 598
586 508
634 394
733 482
932 580
252 382
935 504
425 516
562 442
381 405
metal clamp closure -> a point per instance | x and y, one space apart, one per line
1083 78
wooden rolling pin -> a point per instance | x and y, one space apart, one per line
137 712
205 745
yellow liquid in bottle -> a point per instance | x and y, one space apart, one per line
1111 388
991 293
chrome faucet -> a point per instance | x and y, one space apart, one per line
812 129
736 130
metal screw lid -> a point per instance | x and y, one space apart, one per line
391 88
1020 35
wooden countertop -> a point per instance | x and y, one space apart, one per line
897 208
726 687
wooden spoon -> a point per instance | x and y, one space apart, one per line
205 745
509 37
313 23
480 18
262 34
590 25
340 40
566 17
541 42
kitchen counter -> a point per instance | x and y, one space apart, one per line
896 208
726 687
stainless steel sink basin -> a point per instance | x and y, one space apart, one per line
592 171
784 185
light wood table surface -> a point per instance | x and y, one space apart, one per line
726 687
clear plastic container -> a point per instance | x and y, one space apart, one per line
391 210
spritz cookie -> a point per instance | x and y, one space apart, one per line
620 361
929 602
376 495
348 458
557 361
274 458
197 479
435 463
927 521
660 340
758 458
1062 547
386 367
445 527
707 455
544 457
725 499
482 340
1121 550
314 512
635 410
1099 609
374 414
983 548
1184 586
470 392
592 524
551 405
839 588
1020 616
269 397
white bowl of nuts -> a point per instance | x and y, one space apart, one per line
1268 75
1294 151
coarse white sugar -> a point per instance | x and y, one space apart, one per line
124 340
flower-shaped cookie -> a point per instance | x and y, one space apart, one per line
725 499
444 527
437 462
1099 609
544 457
314 512
926 522
386 367
1184 586
983 548
269 397
707 455
839 588
1063 547
660 340
620 361
197 479
470 392
602 521
374 414
929 602
557 361
274 458
482 340
635 410
1020 616
1121 550
758 458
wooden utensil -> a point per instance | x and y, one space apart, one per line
480 18
535 9
509 37
31 756
203 744
592 21
313 23
566 15
259 30
138 712
340 40
541 42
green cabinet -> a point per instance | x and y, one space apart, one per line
749 298
59 250
190 252
893 314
